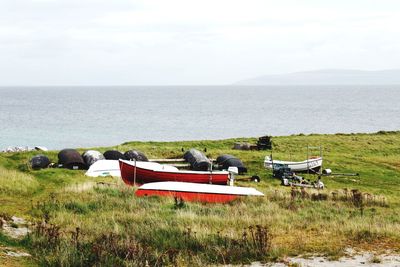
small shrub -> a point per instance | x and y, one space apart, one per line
319 197
376 259
76 207
365 235
255 243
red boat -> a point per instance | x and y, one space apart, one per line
140 172
196 192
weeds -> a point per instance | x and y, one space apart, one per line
106 249
113 248
261 239
365 235
357 199
80 218
178 203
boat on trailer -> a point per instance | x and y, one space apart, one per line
138 172
313 164
196 192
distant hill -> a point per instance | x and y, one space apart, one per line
328 77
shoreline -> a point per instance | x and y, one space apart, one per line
27 148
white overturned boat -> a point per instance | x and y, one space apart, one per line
196 192
295 166
104 167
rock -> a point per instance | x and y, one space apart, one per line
13 149
14 228
18 220
17 254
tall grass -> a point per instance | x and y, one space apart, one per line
79 223
13 182
116 228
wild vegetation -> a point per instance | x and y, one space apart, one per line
81 221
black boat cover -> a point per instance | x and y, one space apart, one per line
91 156
71 159
39 162
197 160
113 155
226 161
135 154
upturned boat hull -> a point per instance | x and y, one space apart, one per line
196 192
152 172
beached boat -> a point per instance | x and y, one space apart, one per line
295 166
147 172
196 192
104 167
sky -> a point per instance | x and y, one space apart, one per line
207 42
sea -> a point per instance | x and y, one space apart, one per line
72 116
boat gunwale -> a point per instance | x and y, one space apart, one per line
270 162
178 171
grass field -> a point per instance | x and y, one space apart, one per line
77 222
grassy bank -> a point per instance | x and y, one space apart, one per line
79 222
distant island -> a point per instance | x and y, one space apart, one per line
328 77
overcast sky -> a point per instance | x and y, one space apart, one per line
171 42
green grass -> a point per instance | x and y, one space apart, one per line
108 225
14 182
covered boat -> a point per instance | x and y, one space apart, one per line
104 167
113 155
135 155
71 159
39 162
196 192
313 164
91 156
226 161
141 172
197 160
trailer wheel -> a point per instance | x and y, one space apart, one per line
255 178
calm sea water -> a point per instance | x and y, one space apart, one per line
58 117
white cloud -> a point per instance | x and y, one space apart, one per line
190 42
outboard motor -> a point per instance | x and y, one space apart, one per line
71 159
197 160
135 155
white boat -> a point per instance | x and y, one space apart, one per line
196 192
104 167
295 166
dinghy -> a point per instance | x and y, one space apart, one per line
313 164
140 172
104 167
196 192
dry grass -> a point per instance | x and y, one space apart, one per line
158 232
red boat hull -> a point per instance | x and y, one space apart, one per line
188 196
131 174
